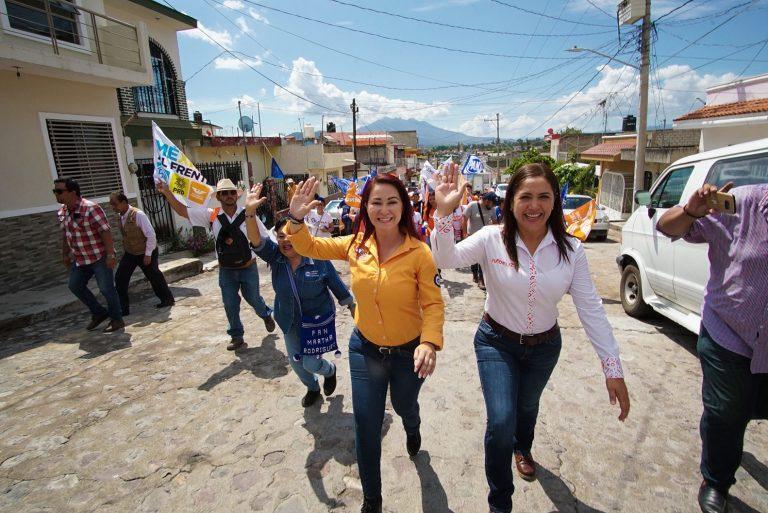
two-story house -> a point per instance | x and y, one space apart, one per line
76 77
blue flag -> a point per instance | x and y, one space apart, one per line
563 193
276 171
341 183
472 165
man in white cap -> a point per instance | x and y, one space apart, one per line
237 262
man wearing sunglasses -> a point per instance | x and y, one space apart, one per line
238 273
87 250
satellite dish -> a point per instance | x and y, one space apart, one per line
246 124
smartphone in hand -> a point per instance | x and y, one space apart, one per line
722 202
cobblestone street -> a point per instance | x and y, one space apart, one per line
163 418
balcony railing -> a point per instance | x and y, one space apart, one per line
67 26
158 100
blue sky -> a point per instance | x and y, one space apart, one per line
524 73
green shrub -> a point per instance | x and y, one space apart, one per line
198 240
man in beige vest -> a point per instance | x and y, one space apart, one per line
140 250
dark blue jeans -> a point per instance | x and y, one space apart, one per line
80 275
231 283
732 396
513 377
372 372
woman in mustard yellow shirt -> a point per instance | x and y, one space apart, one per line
399 316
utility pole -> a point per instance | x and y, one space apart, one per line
245 143
355 110
263 146
498 150
645 44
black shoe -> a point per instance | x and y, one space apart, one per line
269 323
235 343
114 326
310 398
329 383
96 320
165 304
712 500
371 505
413 444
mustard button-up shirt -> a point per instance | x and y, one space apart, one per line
398 300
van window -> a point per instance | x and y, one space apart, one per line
667 194
741 171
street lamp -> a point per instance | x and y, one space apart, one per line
642 136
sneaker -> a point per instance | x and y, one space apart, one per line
526 467
95 321
269 323
114 326
371 505
413 444
329 383
235 343
310 398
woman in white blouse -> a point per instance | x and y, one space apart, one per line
529 263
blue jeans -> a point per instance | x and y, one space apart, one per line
372 372
513 377
232 282
308 366
732 396
80 275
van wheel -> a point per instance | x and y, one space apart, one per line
632 293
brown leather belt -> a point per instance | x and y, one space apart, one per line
526 340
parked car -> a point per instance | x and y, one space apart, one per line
501 191
600 227
670 278
333 207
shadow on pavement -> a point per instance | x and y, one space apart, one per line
456 288
672 331
609 301
98 344
736 505
334 434
755 468
559 493
433 496
265 362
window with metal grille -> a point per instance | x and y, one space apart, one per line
35 17
85 151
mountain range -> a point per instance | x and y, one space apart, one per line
429 134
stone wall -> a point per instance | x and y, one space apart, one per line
30 254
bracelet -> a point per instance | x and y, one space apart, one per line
294 220
247 215
691 215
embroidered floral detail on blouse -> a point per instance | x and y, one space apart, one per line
612 367
444 224
531 295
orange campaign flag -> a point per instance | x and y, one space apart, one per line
579 222
351 198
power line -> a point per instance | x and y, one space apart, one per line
707 17
460 27
672 11
753 58
549 16
396 39
593 4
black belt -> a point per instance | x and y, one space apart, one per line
408 347
526 340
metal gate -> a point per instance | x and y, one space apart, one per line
215 171
612 194
154 204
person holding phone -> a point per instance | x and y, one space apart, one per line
399 315
733 338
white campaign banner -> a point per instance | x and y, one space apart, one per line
174 168
473 165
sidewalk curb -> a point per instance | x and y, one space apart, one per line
173 271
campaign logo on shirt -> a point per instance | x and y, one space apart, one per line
312 274
438 280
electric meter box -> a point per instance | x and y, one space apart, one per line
630 11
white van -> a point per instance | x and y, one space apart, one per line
657 274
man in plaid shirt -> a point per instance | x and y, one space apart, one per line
88 250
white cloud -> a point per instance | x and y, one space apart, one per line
442 5
233 4
243 25
256 15
307 81
223 37
233 63
478 126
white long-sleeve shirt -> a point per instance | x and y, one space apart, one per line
142 221
524 300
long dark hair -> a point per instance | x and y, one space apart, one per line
362 221
555 221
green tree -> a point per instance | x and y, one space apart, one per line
529 157
580 180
